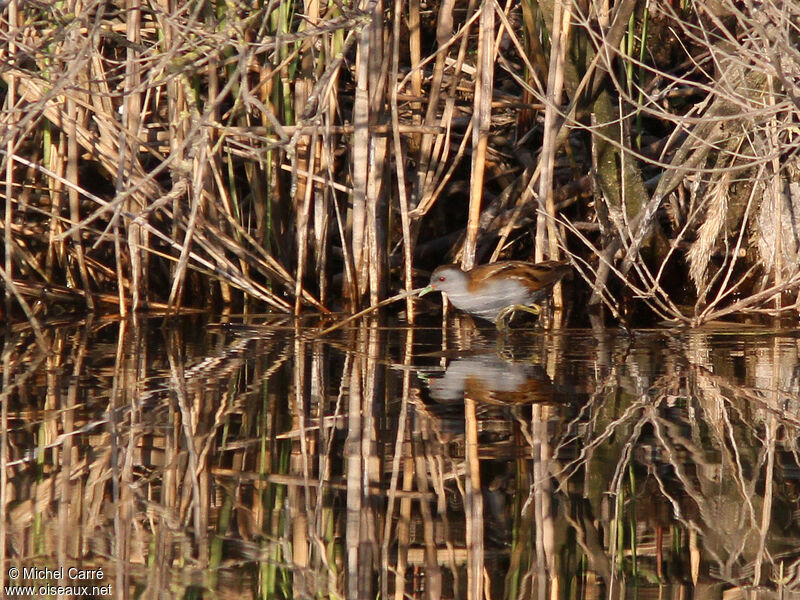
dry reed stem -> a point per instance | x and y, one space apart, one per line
430 181
370 309
731 84
303 221
444 32
775 190
399 154
361 144
567 116
482 116
555 84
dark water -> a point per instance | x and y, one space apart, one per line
192 459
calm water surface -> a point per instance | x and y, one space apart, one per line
187 458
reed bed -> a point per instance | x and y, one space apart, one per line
234 156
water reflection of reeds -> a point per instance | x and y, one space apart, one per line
266 462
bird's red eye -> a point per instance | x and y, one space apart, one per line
442 278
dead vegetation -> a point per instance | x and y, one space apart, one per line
285 155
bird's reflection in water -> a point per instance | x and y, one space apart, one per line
496 368
493 379
504 383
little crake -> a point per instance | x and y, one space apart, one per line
497 290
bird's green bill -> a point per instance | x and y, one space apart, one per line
426 290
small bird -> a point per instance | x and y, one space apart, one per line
496 291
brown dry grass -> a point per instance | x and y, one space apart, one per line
286 155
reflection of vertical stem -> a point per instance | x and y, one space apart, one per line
473 504
612 536
315 499
369 456
326 519
536 419
520 531
169 487
620 529
299 517
4 447
543 518
324 475
694 555
124 376
74 495
766 511
405 503
548 524
402 526
63 483
632 520
353 466
196 491
433 579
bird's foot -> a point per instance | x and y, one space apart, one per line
504 317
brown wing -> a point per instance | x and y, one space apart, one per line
540 275
549 272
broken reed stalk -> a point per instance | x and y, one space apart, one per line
401 296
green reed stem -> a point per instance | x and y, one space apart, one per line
632 521
641 74
620 529
630 47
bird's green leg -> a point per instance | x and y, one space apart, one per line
508 312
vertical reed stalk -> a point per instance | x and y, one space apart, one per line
11 96
322 216
76 48
361 148
482 117
433 171
415 56
642 73
303 219
555 87
776 191
399 154
129 147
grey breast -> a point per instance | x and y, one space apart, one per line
494 297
